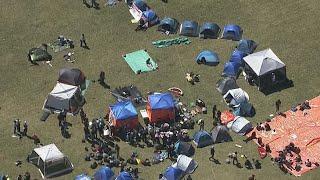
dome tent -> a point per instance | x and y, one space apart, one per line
124 176
172 173
202 139
240 125
232 32
209 30
247 46
72 76
209 58
82 177
160 107
226 84
104 173
184 148
189 28
150 17
220 134
123 113
168 24
231 69
237 57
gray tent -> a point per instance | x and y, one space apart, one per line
240 125
220 134
226 84
73 77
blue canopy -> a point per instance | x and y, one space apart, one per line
247 46
123 110
82 177
237 57
231 69
161 101
210 30
168 24
189 28
173 173
140 4
104 173
124 176
210 58
202 139
232 32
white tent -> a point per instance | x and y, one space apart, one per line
186 164
64 97
240 125
263 62
238 96
50 161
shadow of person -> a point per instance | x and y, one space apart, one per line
257 164
105 85
248 164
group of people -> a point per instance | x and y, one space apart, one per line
17 128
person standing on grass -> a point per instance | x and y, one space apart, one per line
83 42
218 117
18 126
278 104
25 128
234 157
214 110
201 124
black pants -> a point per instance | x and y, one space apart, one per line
83 43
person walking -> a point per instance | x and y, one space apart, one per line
218 117
214 110
201 124
117 148
25 128
83 42
278 103
212 152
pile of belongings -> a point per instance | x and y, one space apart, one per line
129 93
61 44
192 78
169 42
38 54
111 2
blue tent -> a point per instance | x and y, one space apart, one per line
123 110
140 4
189 28
82 177
168 25
161 101
232 32
184 148
124 176
237 57
151 17
173 173
202 139
231 69
104 173
209 30
209 58
247 46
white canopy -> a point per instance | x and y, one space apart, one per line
49 153
186 164
239 96
263 62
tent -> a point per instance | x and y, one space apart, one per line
265 68
236 97
72 76
137 8
64 97
246 46
104 173
38 54
172 173
231 69
202 139
184 148
50 161
220 134
209 30
189 28
150 17
237 57
225 84
124 176
169 25
123 113
186 164
232 32
240 125
161 107
82 177
140 61
208 57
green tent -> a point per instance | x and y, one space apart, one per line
38 54
140 61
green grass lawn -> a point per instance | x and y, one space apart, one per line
290 28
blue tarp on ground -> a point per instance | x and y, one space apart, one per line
211 58
104 173
232 32
80 177
124 176
237 57
247 46
173 173
202 139
123 110
161 101
231 69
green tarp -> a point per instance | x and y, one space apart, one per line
169 42
140 61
